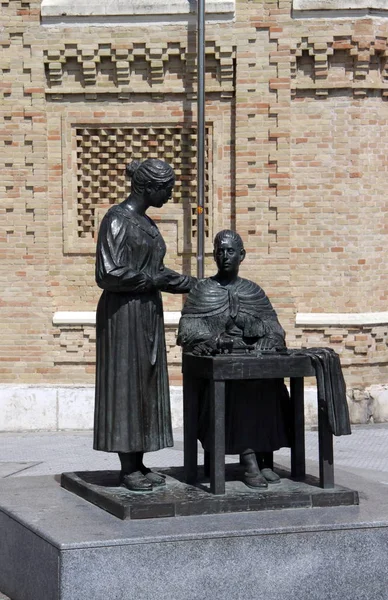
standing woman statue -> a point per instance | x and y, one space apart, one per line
132 409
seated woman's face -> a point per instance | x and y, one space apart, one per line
227 256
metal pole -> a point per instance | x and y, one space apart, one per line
201 138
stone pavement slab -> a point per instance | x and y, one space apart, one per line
7 469
54 452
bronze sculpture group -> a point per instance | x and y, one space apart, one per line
224 313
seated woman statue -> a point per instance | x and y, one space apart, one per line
228 313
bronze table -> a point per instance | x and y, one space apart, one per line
222 368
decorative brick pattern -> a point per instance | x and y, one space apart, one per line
103 153
174 352
75 344
343 62
297 119
358 347
135 68
354 344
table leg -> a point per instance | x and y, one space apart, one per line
298 458
206 463
326 457
190 427
217 449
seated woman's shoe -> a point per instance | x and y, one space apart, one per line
270 475
136 482
255 480
252 476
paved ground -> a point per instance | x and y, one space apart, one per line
44 453
365 452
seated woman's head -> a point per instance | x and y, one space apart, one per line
228 251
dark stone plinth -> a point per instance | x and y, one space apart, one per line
56 546
178 499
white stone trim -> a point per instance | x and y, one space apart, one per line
341 319
27 407
74 318
63 317
340 4
130 8
171 318
301 319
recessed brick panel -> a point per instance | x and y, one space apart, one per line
104 152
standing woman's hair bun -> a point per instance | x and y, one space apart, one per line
131 168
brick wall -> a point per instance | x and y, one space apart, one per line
296 149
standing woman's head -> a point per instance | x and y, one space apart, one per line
153 179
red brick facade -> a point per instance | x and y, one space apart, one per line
297 148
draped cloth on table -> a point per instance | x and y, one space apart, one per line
331 387
132 407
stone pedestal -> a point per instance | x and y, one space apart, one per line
56 546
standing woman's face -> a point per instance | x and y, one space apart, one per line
159 194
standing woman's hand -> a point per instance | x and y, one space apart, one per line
148 283
162 278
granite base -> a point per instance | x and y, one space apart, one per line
56 546
178 499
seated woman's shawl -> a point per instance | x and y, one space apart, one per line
241 309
